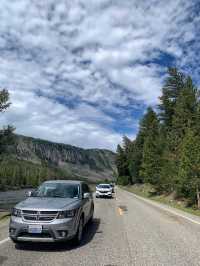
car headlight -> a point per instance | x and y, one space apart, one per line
66 214
16 212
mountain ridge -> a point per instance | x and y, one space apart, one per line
93 164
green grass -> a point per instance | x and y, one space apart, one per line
147 191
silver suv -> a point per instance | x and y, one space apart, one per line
57 211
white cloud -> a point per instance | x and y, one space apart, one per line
95 55
128 78
53 121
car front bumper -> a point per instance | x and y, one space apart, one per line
55 231
103 194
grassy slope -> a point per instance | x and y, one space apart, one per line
14 170
146 191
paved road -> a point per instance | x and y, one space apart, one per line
126 231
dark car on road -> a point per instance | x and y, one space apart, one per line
57 211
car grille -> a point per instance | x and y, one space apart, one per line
35 216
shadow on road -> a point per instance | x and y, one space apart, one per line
89 232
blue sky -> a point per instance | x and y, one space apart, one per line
83 72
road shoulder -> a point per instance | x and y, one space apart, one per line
4 222
185 215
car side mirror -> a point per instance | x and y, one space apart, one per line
29 193
86 195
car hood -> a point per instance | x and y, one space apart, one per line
33 203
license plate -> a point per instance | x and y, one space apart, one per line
35 229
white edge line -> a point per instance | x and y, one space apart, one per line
165 209
4 240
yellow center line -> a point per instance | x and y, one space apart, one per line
120 211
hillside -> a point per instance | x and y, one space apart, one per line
56 160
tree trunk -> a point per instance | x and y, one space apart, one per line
198 198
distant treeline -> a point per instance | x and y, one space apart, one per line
21 174
166 151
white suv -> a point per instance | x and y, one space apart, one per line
104 190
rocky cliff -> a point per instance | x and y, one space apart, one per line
94 164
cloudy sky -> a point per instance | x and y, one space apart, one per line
83 72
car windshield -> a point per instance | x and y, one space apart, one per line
103 186
57 190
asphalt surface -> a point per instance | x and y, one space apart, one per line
126 231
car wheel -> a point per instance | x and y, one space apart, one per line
79 234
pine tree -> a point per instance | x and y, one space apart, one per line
189 170
184 118
177 109
4 100
122 166
170 92
150 166
185 113
135 158
126 145
6 134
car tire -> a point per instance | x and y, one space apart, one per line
91 215
18 244
79 234
15 241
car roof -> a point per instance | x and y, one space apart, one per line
64 181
